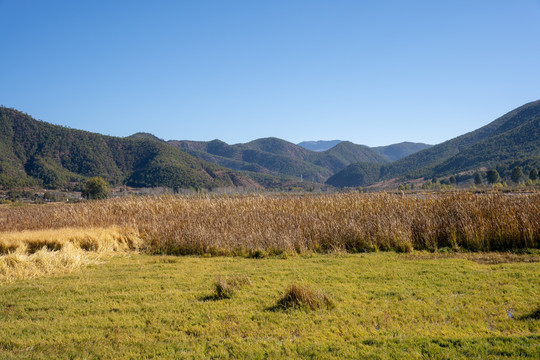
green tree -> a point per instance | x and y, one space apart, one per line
452 179
533 175
95 188
493 176
517 174
478 178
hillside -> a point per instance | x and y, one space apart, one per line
144 136
511 140
395 152
38 153
279 157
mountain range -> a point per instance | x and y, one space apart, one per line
36 153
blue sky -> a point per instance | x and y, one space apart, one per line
374 72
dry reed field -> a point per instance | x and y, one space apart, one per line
257 225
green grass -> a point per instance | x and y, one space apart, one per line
388 306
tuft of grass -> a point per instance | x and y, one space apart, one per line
225 288
301 296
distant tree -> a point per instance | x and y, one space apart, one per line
427 185
493 176
478 178
435 180
95 188
452 179
533 175
517 174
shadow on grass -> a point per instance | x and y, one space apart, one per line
534 315
212 297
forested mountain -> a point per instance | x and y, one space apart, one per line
511 140
280 157
398 151
38 153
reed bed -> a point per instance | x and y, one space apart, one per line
256 225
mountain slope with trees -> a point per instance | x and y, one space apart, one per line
395 152
509 140
38 153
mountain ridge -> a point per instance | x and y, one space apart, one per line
276 156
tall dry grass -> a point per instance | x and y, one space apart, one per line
254 224
32 253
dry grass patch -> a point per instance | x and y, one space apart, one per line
489 258
302 297
29 254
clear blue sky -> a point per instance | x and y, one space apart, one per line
374 72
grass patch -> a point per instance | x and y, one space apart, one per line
225 288
300 296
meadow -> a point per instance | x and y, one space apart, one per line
387 306
440 275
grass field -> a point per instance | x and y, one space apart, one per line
387 306
96 280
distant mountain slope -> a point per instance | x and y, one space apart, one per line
280 147
415 163
358 174
280 157
344 154
398 151
511 139
319 145
144 136
38 153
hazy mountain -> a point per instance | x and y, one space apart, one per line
398 151
319 145
280 157
511 140
390 152
38 153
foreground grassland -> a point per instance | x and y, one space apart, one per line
387 306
